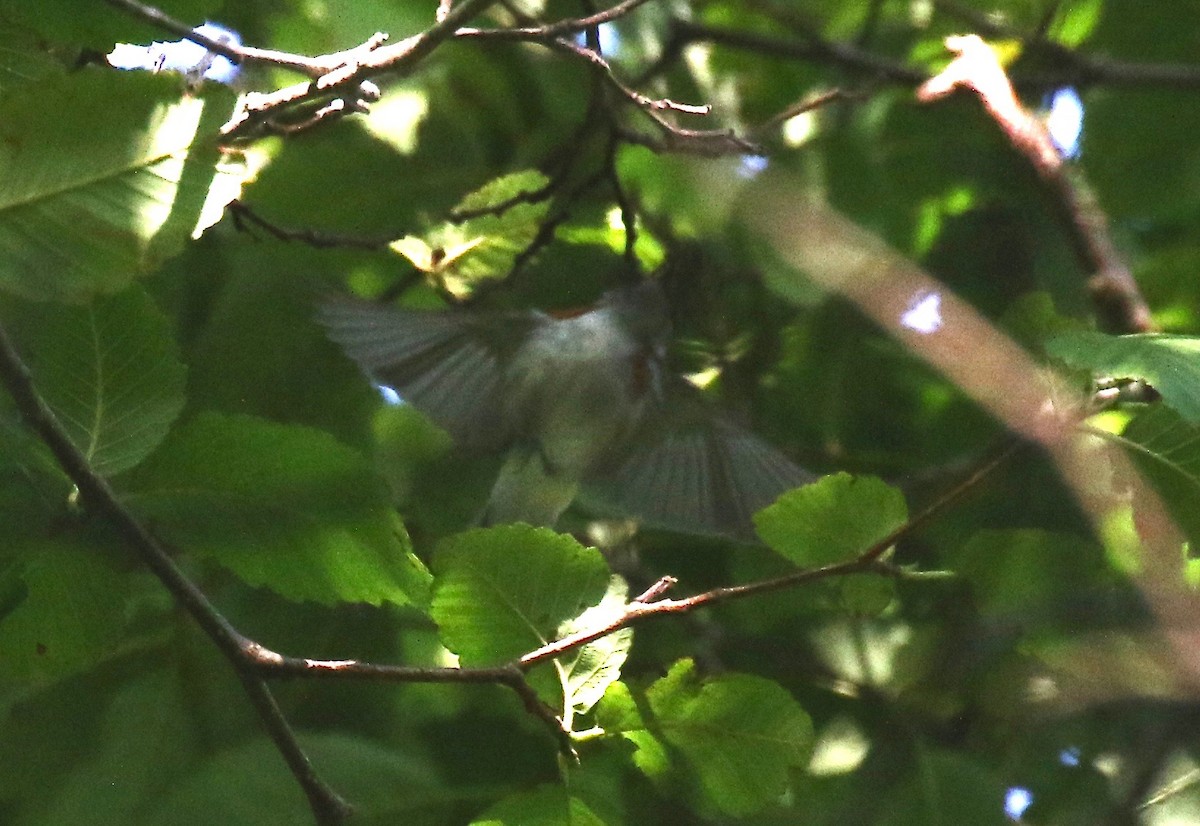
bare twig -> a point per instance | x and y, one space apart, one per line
357 66
1114 291
312 66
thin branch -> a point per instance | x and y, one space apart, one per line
563 27
312 66
96 494
357 66
1114 291
244 216
811 49
674 138
869 561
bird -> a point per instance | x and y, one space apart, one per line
574 401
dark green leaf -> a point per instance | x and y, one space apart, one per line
110 370
68 615
545 806
70 22
946 789
1022 572
283 507
388 785
741 734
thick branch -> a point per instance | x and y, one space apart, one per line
1114 291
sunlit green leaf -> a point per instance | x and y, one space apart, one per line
501 592
107 182
831 520
589 670
618 713
503 218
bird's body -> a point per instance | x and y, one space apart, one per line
572 400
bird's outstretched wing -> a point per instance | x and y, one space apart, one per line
691 469
448 365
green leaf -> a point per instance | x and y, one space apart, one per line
387 784
588 671
946 788
261 353
740 733
127 741
486 245
69 613
283 507
832 520
503 191
501 592
98 26
1023 571
504 591
1169 363
618 713
107 182
110 370
545 806
1166 448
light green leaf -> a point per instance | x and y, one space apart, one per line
741 734
503 191
110 370
107 182
832 520
1169 363
283 507
486 245
544 806
501 592
588 671
618 713
504 591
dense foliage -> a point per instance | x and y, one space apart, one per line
984 611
